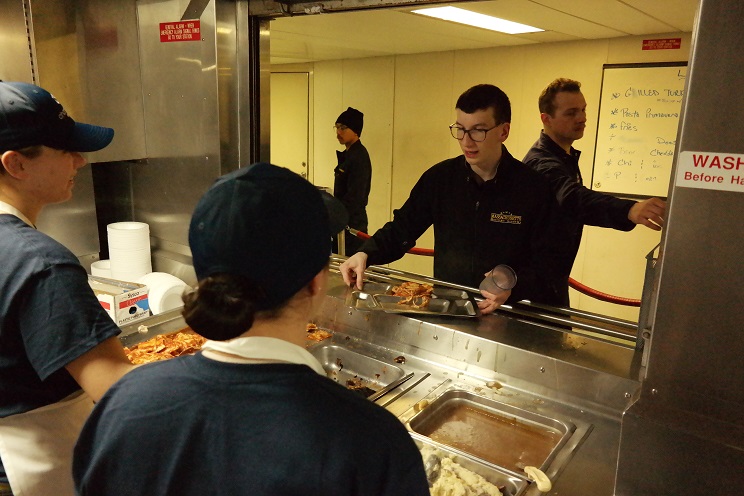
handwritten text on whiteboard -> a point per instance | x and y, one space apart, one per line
640 109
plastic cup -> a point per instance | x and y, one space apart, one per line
501 278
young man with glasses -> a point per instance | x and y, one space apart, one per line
563 114
486 208
353 174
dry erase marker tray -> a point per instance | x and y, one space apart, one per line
376 296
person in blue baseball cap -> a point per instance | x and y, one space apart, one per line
253 412
59 350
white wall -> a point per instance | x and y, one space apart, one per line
408 102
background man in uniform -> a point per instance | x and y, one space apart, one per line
563 114
353 174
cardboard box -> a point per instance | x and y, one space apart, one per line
125 302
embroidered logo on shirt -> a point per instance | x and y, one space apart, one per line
506 218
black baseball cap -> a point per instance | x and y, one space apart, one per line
30 116
267 224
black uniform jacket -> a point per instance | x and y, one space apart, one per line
508 220
579 205
353 179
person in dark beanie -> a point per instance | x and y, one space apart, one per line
253 412
59 349
353 174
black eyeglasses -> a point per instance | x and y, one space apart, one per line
340 127
475 134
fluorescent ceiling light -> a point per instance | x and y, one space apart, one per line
470 18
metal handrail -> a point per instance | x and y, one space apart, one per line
534 311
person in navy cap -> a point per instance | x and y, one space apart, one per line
253 412
54 336
353 174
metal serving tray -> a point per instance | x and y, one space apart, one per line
444 301
494 433
509 484
342 365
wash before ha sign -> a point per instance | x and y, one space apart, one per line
705 170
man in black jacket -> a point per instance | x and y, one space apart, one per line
563 114
353 174
486 209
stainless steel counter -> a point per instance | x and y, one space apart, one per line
531 366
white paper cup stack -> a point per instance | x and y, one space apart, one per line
129 250
165 291
101 268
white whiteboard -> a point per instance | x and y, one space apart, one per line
639 112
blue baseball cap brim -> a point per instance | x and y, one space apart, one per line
30 116
89 138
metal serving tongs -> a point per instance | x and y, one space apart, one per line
382 392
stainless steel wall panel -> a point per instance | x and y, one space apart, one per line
165 192
110 66
39 42
232 68
261 88
687 424
179 83
16 60
701 269
180 88
696 344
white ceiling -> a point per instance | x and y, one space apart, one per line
392 31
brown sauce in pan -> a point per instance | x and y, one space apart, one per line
500 440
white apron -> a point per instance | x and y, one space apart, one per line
36 447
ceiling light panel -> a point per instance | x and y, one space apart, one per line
462 16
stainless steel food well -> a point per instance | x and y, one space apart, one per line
507 483
496 434
343 365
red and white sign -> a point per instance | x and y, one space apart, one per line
663 44
180 31
704 170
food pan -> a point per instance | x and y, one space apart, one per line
444 301
354 370
495 433
508 484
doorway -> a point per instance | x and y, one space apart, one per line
290 118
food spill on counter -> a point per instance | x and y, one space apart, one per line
414 294
314 333
400 359
185 341
165 346
357 384
447 477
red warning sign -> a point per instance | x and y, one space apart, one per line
662 44
180 31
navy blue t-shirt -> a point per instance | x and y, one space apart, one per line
49 316
195 426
